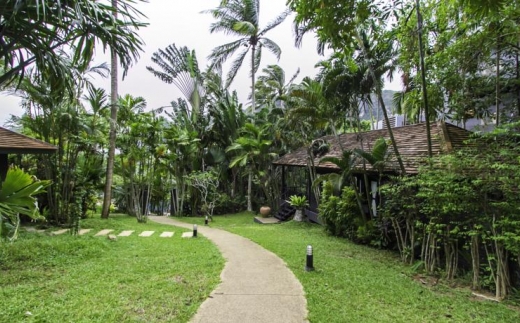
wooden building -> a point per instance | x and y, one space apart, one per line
411 141
15 143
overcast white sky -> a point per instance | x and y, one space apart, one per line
181 22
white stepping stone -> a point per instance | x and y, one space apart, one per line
62 231
146 233
103 232
84 231
187 234
167 234
126 233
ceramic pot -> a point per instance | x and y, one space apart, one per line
265 211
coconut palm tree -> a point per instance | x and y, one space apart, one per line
272 89
241 18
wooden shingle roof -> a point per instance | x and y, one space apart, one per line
15 143
411 142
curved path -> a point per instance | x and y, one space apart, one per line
256 285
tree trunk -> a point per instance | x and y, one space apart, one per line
253 106
112 136
423 79
517 62
497 81
253 110
249 189
381 102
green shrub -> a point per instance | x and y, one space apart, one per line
338 212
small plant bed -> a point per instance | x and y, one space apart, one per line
94 279
353 283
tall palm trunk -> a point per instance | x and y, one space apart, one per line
423 79
112 136
253 106
379 94
253 109
497 78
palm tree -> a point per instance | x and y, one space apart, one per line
35 33
272 87
308 103
346 164
241 18
107 198
251 150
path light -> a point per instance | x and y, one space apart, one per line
194 230
309 266
206 220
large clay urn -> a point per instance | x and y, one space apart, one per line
265 211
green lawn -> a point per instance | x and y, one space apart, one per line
134 279
354 283
93 279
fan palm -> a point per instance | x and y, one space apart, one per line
179 66
241 18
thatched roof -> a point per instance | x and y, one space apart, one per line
15 143
411 142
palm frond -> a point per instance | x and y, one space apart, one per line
275 22
272 46
221 53
235 66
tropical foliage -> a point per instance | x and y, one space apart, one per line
17 196
207 152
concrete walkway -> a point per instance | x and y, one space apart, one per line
256 286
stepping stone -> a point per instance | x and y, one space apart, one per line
167 234
103 232
126 233
271 220
62 231
34 230
84 231
187 234
146 233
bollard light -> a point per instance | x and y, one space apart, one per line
194 230
309 266
206 220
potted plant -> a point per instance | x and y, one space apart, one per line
298 202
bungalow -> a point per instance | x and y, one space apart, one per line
411 141
15 143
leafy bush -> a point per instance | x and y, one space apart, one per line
226 205
464 204
338 212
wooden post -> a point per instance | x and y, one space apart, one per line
4 165
284 184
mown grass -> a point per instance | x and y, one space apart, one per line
354 283
92 279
